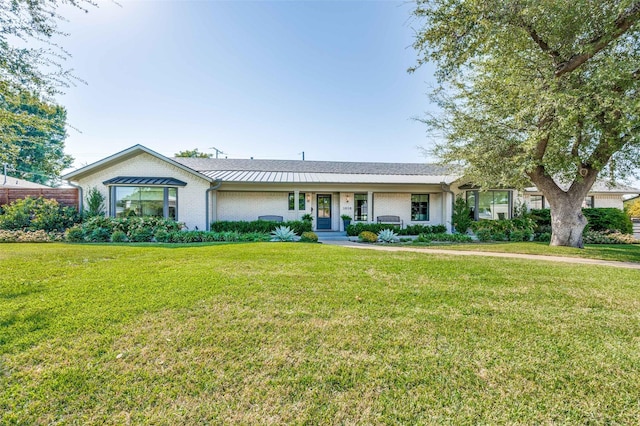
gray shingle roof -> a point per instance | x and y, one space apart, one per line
214 164
287 171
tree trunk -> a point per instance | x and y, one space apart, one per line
567 220
567 224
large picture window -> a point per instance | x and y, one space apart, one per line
145 201
419 207
360 202
536 202
490 205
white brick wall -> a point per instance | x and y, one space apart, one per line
399 204
236 205
191 198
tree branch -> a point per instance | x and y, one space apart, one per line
622 23
544 46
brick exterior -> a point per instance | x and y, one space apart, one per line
191 198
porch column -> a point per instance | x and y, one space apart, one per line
370 206
296 203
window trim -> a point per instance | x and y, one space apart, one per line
357 218
165 201
476 206
291 202
428 202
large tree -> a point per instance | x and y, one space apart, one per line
32 134
542 91
32 125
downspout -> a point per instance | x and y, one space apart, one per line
79 188
218 182
446 188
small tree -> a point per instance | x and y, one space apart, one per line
193 153
461 216
95 201
633 210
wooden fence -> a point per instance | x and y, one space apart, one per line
64 196
636 228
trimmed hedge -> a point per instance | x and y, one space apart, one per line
261 226
356 229
599 219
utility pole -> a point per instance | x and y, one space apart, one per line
218 151
5 173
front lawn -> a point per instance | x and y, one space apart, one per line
295 333
619 252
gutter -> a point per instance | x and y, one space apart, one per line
447 188
218 182
79 188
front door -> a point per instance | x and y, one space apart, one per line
324 211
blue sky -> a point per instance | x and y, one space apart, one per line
262 79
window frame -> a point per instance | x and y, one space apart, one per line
165 200
475 209
418 214
358 216
291 202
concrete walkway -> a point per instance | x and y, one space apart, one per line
560 259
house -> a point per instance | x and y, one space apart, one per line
199 191
14 182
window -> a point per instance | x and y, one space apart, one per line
144 201
536 202
302 204
588 202
360 201
491 205
419 207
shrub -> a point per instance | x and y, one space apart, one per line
543 237
94 202
355 229
283 233
161 236
599 219
140 235
74 234
604 237
38 236
99 235
461 217
387 236
262 226
368 237
444 237
484 234
118 237
607 219
518 235
309 237
33 214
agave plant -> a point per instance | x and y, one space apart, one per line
282 233
387 236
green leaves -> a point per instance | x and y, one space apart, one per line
528 84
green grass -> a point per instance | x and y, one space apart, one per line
619 252
275 333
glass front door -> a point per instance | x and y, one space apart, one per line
324 211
